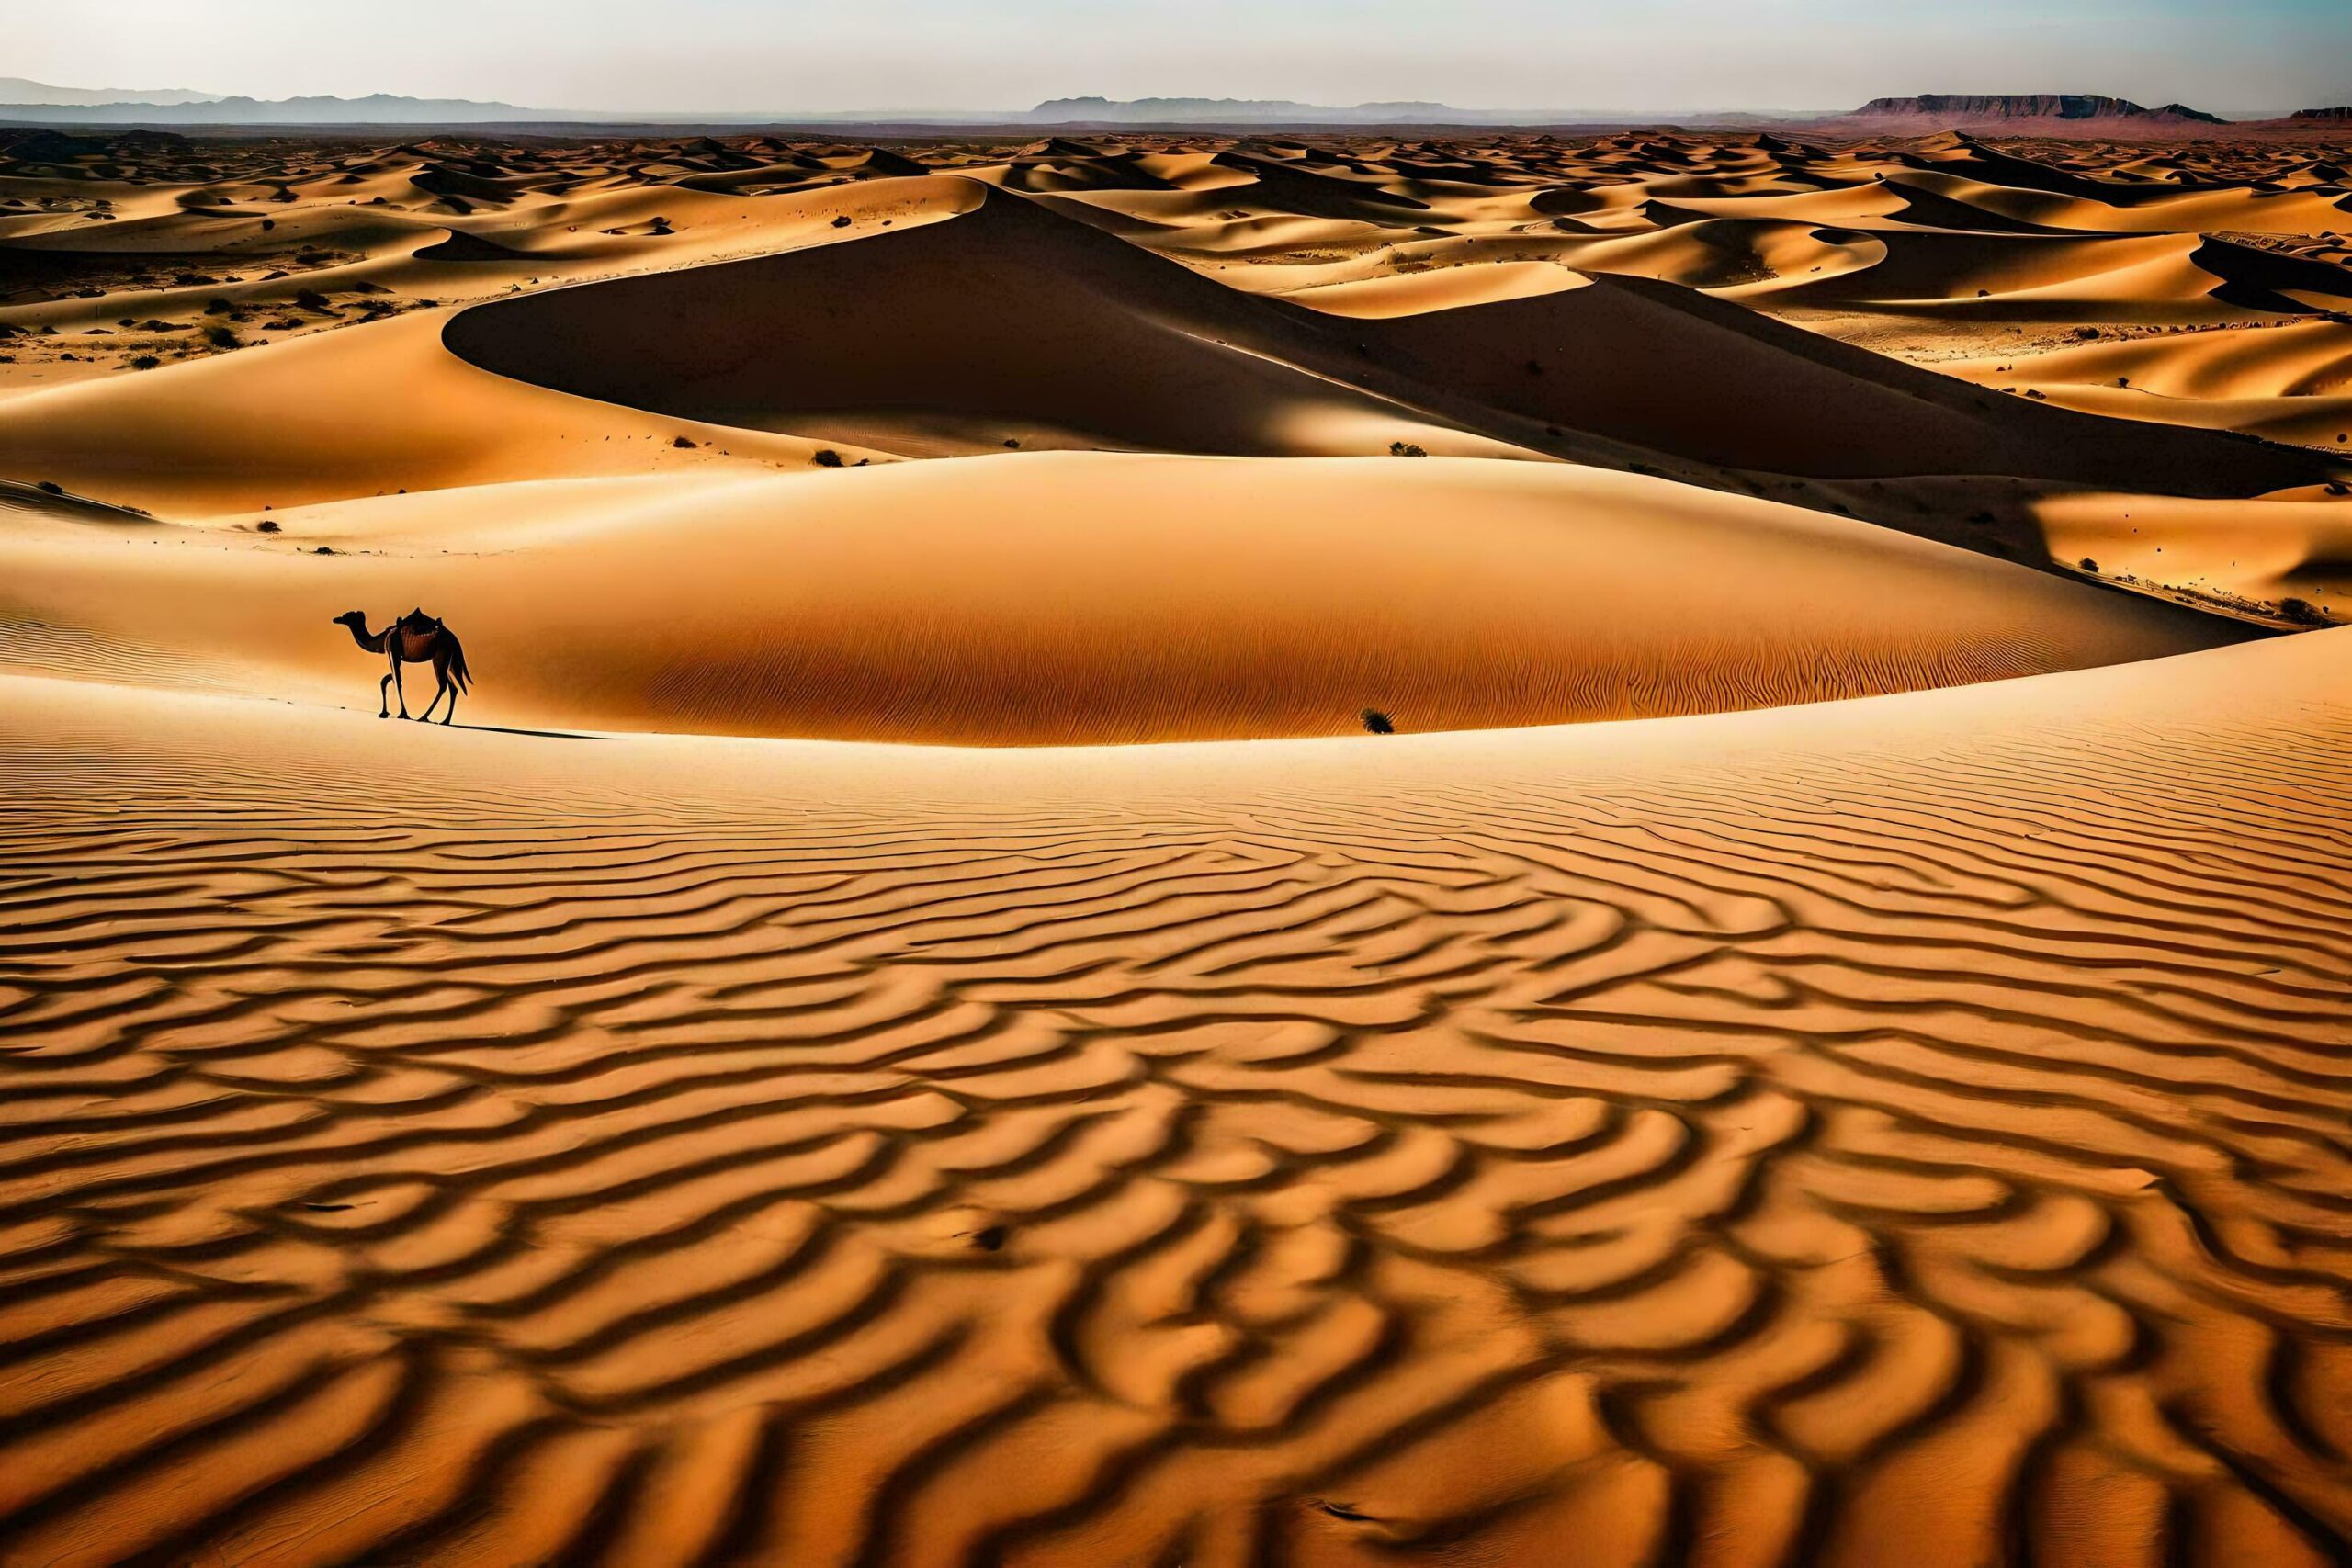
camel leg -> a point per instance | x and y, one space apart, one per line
439 692
451 687
384 696
398 686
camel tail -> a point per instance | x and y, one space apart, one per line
458 671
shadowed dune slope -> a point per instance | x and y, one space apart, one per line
1009 323
1012 317
1908 1130
1084 598
1675 370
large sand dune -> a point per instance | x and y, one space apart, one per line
1064 597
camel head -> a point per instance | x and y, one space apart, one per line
355 619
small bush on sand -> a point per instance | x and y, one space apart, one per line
310 299
217 306
267 525
2302 612
145 362
682 444
826 457
2089 565
1378 722
1405 449
221 337
50 486
841 222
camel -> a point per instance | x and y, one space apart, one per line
415 638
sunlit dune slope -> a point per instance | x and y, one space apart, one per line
1085 598
365 410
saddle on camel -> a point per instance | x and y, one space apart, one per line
415 638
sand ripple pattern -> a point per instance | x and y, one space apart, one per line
1742 1162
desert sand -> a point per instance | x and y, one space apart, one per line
908 1021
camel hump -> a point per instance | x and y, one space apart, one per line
418 621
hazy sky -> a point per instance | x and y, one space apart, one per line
715 55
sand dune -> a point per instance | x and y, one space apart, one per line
1076 597
1044 322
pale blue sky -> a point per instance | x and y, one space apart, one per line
716 55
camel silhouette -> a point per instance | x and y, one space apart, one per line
415 638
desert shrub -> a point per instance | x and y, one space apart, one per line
2085 334
267 525
1406 449
50 486
2089 565
323 550
841 222
682 444
2303 611
217 306
145 362
268 223
1377 722
826 457
222 337
311 300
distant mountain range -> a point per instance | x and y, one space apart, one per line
17 90
24 102
178 106
1991 108
1233 111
